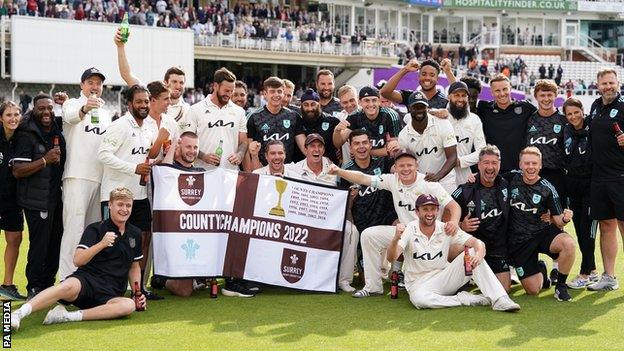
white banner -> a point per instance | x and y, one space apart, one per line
261 228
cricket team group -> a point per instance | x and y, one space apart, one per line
455 184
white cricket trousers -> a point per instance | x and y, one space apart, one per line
438 290
349 252
81 207
375 241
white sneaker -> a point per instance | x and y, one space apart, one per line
15 321
505 304
346 287
468 299
56 315
605 283
365 293
578 282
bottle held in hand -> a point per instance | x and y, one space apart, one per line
137 297
467 265
143 181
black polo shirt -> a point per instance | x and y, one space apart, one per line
324 126
264 126
333 107
607 155
112 263
387 122
506 129
7 181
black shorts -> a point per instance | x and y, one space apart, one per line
497 264
140 217
94 291
525 256
606 200
12 220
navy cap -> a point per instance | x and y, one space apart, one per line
404 152
426 199
312 138
417 97
368 91
458 86
310 94
90 72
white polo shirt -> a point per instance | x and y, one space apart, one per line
469 134
212 124
124 145
303 172
167 123
83 140
427 256
288 171
177 112
429 146
404 196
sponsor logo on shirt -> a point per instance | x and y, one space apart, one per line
532 129
522 207
491 214
94 130
613 113
264 128
536 198
557 128
377 143
465 140
427 256
367 191
220 123
276 136
427 151
542 140
514 193
140 151
325 126
286 123
407 206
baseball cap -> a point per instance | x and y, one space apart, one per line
368 91
417 98
90 72
380 84
310 94
314 137
426 199
458 86
404 152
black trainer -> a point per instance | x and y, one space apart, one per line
32 292
554 275
561 293
234 288
544 271
10 292
150 295
251 286
158 282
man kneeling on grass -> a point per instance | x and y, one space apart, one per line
430 280
109 253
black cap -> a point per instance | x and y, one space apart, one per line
90 72
417 97
309 94
368 91
404 152
458 86
314 137
380 84
426 199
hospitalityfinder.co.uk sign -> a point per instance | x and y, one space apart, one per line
513 4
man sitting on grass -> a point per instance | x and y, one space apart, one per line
109 253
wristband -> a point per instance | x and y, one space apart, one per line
44 162
82 110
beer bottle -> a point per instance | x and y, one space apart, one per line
467 265
394 285
137 297
56 141
143 181
617 131
124 28
95 118
214 288
219 150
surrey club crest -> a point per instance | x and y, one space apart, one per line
191 187
293 265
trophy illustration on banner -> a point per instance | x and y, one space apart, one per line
280 186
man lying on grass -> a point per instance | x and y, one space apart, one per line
109 253
430 280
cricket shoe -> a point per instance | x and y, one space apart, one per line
505 304
578 282
235 289
56 315
562 294
10 292
365 293
468 299
605 283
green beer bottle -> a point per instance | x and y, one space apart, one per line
95 119
219 150
125 28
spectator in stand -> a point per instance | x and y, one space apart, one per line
559 75
542 72
551 71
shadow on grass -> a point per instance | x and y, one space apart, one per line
286 317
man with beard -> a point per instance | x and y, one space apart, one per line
275 156
220 125
432 140
505 122
123 151
239 97
317 121
174 80
607 199
431 281
273 122
289 91
38 163
406 184
427 79
474 89
85 121
325 86
381 123
468 131
485 212
531 196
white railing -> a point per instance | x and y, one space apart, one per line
596 49
365 48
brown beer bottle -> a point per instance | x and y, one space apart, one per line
143 181
394 285
617 131
467 265
137 298
214 288
56 141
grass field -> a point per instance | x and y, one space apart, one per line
290 320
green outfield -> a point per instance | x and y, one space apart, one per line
282 319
